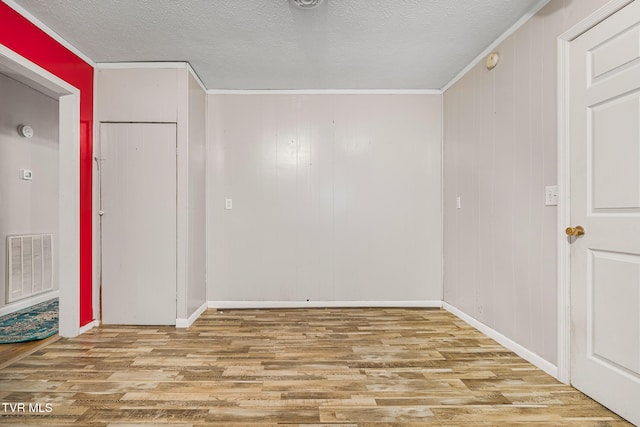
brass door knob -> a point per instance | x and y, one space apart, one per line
575 231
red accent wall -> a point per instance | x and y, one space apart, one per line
27 40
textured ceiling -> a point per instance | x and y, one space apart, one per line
270 44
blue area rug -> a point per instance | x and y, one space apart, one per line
29 324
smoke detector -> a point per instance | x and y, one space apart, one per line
25 131
306 4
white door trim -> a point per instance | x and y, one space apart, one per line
68 184
564 184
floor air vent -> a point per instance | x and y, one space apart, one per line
30 265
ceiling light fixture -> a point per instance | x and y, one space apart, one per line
306 4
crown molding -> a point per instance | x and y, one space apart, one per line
515 27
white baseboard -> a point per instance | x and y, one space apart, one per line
325 91
324 304
521 351
28 302
88 326
185 323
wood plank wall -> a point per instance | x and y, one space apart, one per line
500 149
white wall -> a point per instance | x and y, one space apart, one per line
27 206
139 94
197 263
335 198
499 153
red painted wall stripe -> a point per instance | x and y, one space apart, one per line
27 40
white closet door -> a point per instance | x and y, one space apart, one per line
605 201
138 201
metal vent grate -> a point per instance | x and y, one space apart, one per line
30 265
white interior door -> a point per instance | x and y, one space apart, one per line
138 201
605 200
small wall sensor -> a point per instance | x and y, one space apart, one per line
25 131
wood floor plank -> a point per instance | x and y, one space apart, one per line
10 353
297 367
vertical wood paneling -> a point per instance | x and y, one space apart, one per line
499 154
486 155
538 221
503 220
524 202
451 138
196 259
152 94
335 197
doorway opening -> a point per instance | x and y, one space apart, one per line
28 213
25 72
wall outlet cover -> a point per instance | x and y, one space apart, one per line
551 195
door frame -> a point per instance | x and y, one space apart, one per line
564 181
69 181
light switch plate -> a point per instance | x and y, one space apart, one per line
551 195
458 202
228 204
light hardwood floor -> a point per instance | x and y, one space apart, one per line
9 353
314 367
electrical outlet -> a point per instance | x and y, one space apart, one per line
228 204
